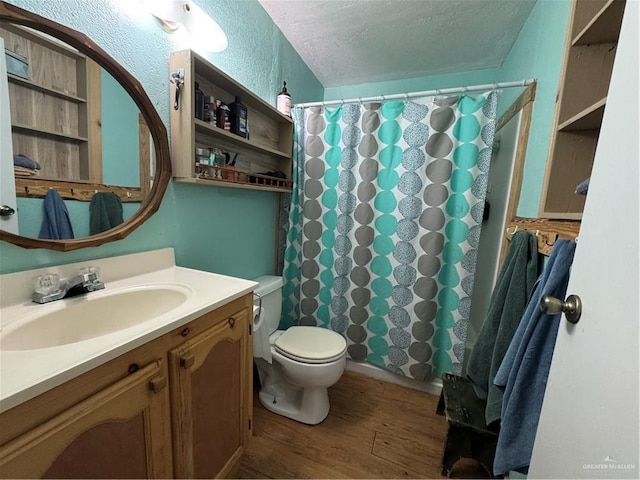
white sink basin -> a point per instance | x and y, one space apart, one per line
93 315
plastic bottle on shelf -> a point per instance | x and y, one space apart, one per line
238 117
210 109
222 117
199 102
284 101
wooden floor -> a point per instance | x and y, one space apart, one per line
374 430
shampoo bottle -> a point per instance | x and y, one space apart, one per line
238 117
284 101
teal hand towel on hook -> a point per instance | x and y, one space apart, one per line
105 212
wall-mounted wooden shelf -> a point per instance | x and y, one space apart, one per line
56 111
269 147
590 50
46 90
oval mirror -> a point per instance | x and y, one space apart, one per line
88 160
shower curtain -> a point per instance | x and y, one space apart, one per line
384 224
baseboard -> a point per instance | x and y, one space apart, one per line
433 386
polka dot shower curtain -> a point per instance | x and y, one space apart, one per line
384 224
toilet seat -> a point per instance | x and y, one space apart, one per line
311 344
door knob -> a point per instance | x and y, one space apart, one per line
6 211
571 307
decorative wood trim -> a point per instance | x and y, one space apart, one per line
547 231
527 96
93 122
518 170
89 48
84 192
145 155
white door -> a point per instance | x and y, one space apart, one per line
8 222
589 422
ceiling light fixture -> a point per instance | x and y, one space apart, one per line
173 14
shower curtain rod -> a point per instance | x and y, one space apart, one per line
405 96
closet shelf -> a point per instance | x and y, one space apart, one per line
48 133
588 119
235 140
604 27
46 90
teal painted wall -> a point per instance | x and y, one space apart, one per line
538 53
418 84
120 142
223 230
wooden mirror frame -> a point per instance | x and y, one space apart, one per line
156 127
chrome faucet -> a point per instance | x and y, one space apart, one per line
51 289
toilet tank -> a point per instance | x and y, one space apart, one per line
270 290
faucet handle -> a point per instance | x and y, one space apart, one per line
47 283
93 271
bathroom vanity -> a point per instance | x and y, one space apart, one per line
168 397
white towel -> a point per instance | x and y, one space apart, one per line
261 345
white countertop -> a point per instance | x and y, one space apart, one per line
25 374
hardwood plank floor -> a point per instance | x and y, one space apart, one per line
374 430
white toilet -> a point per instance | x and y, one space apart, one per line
305 360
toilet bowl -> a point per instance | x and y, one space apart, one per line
305 361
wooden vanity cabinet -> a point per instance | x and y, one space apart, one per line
210 393
134 415
119 432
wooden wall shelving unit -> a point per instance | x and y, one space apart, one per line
590 50
55 113
269 147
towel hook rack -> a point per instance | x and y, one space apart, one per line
515 229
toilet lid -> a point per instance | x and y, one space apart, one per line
311 344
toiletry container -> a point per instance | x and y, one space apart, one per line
210 109
223 118
238 117
284 101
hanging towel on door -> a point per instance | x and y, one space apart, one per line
525 368
56 224
105 212
508 302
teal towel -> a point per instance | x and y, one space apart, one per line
105 212
508 302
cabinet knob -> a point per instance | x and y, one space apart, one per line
185 332
187 360
157 384
232 321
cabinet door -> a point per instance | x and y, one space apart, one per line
210 399
120 432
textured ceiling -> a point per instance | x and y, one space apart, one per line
347 42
